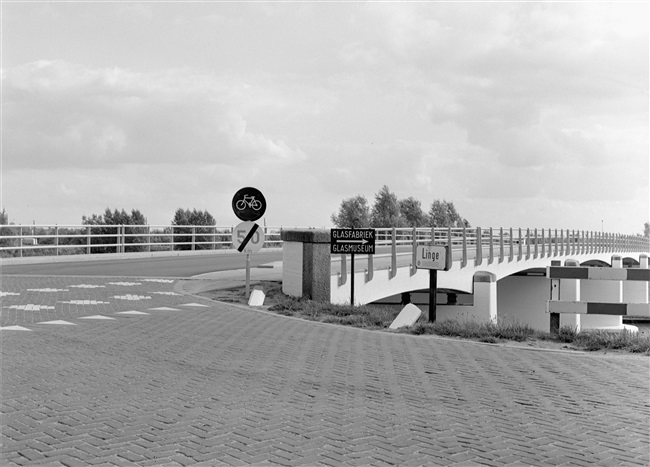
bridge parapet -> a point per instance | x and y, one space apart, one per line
499 251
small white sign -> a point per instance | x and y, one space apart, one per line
432 257
248 237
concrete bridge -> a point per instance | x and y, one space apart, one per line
495 273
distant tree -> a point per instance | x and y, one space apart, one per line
7 231
108 225
444 214
411 212
386 210
353 213
184 218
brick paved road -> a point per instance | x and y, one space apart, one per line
225 385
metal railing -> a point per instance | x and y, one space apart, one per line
499 245
472 243
47 240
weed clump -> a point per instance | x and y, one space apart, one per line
618 340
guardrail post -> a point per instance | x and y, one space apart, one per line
527 244
500 244
370 272
479 248
463 261
543 254
193 237
88 241
574 242
393 255
343 275
56 239
511 253
520 253
20 242
413 268
491 248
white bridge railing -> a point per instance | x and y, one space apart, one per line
499 245
47 240
468 243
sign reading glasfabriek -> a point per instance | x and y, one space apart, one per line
353 241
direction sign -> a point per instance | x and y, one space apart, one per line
353 241
249 204
248 237
433 257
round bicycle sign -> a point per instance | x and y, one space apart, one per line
248 237
249 204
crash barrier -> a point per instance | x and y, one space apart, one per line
572 275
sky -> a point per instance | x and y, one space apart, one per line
523 114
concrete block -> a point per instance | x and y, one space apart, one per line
407 317
257 298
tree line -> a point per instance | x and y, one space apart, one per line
389 211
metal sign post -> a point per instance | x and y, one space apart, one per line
352 241
352 279
249 205
434 258
248 238
433 292
248 275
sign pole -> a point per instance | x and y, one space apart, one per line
352 279
433 287
248 275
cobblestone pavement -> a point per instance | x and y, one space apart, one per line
199 382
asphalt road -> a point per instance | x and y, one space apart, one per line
169 266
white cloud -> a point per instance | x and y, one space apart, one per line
495 106
62 114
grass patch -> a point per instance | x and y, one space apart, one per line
374 317
380 317
623 340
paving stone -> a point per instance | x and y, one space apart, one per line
224 385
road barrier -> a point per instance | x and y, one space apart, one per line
556 306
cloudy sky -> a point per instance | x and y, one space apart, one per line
523 114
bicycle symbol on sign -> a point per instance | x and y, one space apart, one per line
250 201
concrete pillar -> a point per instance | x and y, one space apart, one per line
485 296
306 263
484 306
570 291
637 291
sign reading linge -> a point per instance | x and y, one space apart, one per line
433 257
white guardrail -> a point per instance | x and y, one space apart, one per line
494 244
47 240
